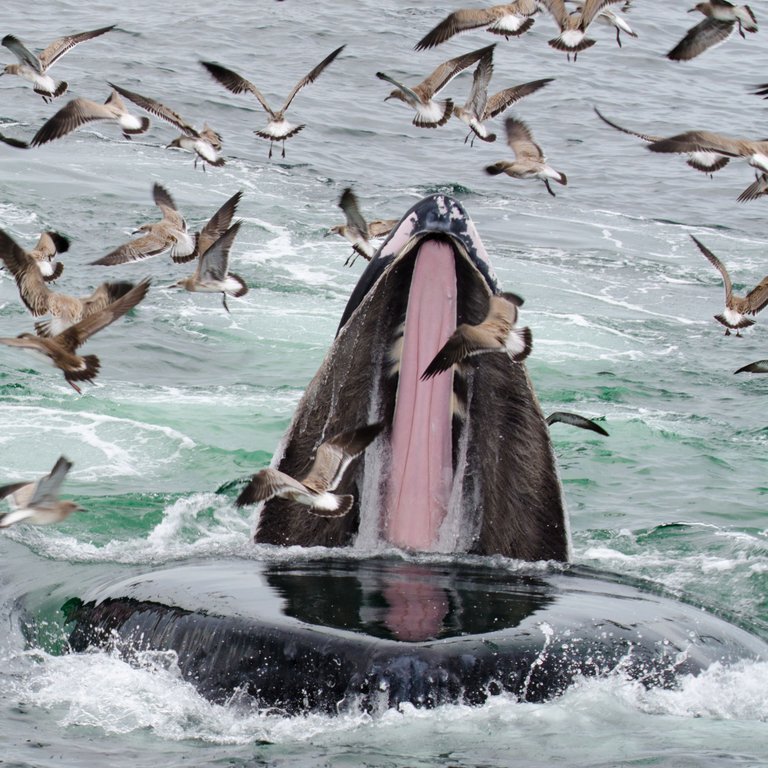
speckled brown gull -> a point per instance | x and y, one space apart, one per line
315 489
429 112
168 234
79 112
35 68
61 350
733 316
721 19
212 274
480 107
529 162
278 128
573 26
508 19
357 230
49 245
40 300
496 333
205 143
704 161
38 502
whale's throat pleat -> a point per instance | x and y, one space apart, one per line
421 474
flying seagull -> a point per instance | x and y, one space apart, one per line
168 234
278 128
214 228
529 162
79 112
431 113
509 19
706 161
40 300
480 107
573 26
733 316
315 489
494 334
212 274
35 68
38 502
357 230
61 350
205 143
721 18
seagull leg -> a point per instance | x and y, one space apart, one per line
224 300
75 387
549 189
618 36
283 153
270 150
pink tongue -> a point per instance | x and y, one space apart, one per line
421 473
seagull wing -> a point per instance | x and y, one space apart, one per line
459 21
521 141
78 333
478 93
575 420
71 116
466 340
311 76
355 221
47 488
64 44
758 297
759 366
719 266
236 83
443 74
158 110
29 280
411 96
503 99
335 455
216 226
644 136
22 53
705 34
151 244
266 484
213 264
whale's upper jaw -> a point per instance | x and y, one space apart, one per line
479 478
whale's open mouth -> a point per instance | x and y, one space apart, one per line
464 463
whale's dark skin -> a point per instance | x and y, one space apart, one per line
506 496
335 635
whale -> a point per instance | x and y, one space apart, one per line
465 464
448 580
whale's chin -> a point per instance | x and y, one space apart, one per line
465 462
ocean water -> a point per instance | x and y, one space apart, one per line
190 398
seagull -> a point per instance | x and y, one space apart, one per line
49 245
212 274
736 307
215 227
40 300
78 112
706 161
575 420
431 113
35 68
759 366
357 230
479 107
38 502
168 234
721 17
573 26
529 162
509 19
315 489
495 334
278 128
205 143
608 18
61 350
755 152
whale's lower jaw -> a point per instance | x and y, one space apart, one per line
363 635
481 480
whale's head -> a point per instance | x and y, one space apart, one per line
464 463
